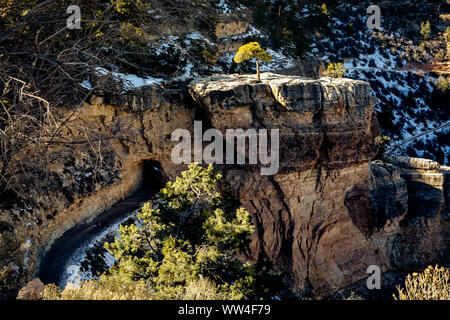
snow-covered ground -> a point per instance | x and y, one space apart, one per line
130 81
73 273
403 95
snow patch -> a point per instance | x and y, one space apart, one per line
73 274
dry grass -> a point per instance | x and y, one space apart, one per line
432 284
112 288
106 288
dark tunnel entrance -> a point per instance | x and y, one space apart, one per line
153 175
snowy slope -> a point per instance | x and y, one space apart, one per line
404 106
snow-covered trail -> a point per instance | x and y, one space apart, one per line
61 264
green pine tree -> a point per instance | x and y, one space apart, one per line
425 30
250 51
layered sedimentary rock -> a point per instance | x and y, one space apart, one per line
230 25
410 212
324 217
326 142
329 213
424 234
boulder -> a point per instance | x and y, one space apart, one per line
34 290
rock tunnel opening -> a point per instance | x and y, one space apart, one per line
153 176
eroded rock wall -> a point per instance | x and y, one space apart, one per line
329 213
326 142
423 237
324 217
410 221
144 122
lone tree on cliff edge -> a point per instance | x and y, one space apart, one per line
252 50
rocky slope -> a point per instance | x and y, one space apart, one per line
401 67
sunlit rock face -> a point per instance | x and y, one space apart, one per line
329 213
305 215
321 122
424 234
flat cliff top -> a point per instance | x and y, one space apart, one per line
225 82
293 93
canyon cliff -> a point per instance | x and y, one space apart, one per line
329 212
